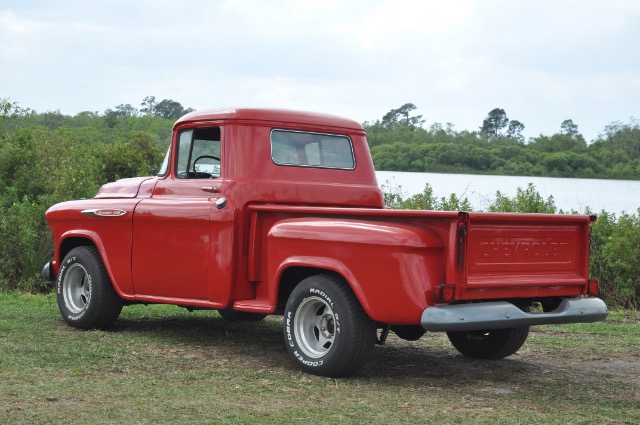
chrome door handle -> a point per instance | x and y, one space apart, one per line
212 189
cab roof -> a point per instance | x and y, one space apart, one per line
270 114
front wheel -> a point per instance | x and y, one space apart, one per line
86 297
326 330
490 344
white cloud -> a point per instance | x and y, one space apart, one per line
542 61
9 22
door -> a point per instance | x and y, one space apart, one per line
172 229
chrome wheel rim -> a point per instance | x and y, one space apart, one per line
76 288
314 327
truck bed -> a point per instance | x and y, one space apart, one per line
479 256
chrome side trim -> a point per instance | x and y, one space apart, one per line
104 212
501 314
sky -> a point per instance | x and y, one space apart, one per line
542 61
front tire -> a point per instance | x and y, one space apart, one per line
326 330
490 344
86 297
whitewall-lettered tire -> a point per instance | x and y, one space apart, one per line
326 330
86 297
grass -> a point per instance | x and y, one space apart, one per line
162 364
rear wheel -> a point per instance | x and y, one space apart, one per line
326 330
86 297
490 344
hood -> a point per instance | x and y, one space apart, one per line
124 188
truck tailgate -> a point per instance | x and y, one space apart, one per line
524 255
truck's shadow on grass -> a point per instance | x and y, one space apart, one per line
260 346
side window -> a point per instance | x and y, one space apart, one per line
306 149
199 153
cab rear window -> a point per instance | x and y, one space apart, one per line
307 149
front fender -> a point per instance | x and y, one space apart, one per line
107 224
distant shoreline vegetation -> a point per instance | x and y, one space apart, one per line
49 157
398 142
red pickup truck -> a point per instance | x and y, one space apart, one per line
264 211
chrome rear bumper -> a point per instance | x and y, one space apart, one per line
501 314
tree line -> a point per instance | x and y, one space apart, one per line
399 142
49 157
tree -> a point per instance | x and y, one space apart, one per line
496 120
515 129
170 109
568 127
402 117
148 105
11 109
618 135
127 110
6 107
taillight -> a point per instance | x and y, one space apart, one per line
447 293
592 288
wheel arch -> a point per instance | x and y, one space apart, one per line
69 241
72 242
295 270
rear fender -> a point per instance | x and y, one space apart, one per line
392 268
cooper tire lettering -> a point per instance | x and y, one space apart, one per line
315 336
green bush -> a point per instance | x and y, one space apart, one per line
615 262
394 198
41 166
25 246
526 201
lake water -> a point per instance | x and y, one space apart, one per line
614 196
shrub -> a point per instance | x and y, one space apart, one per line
526 201
40 167
615 244
25 246
394 198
